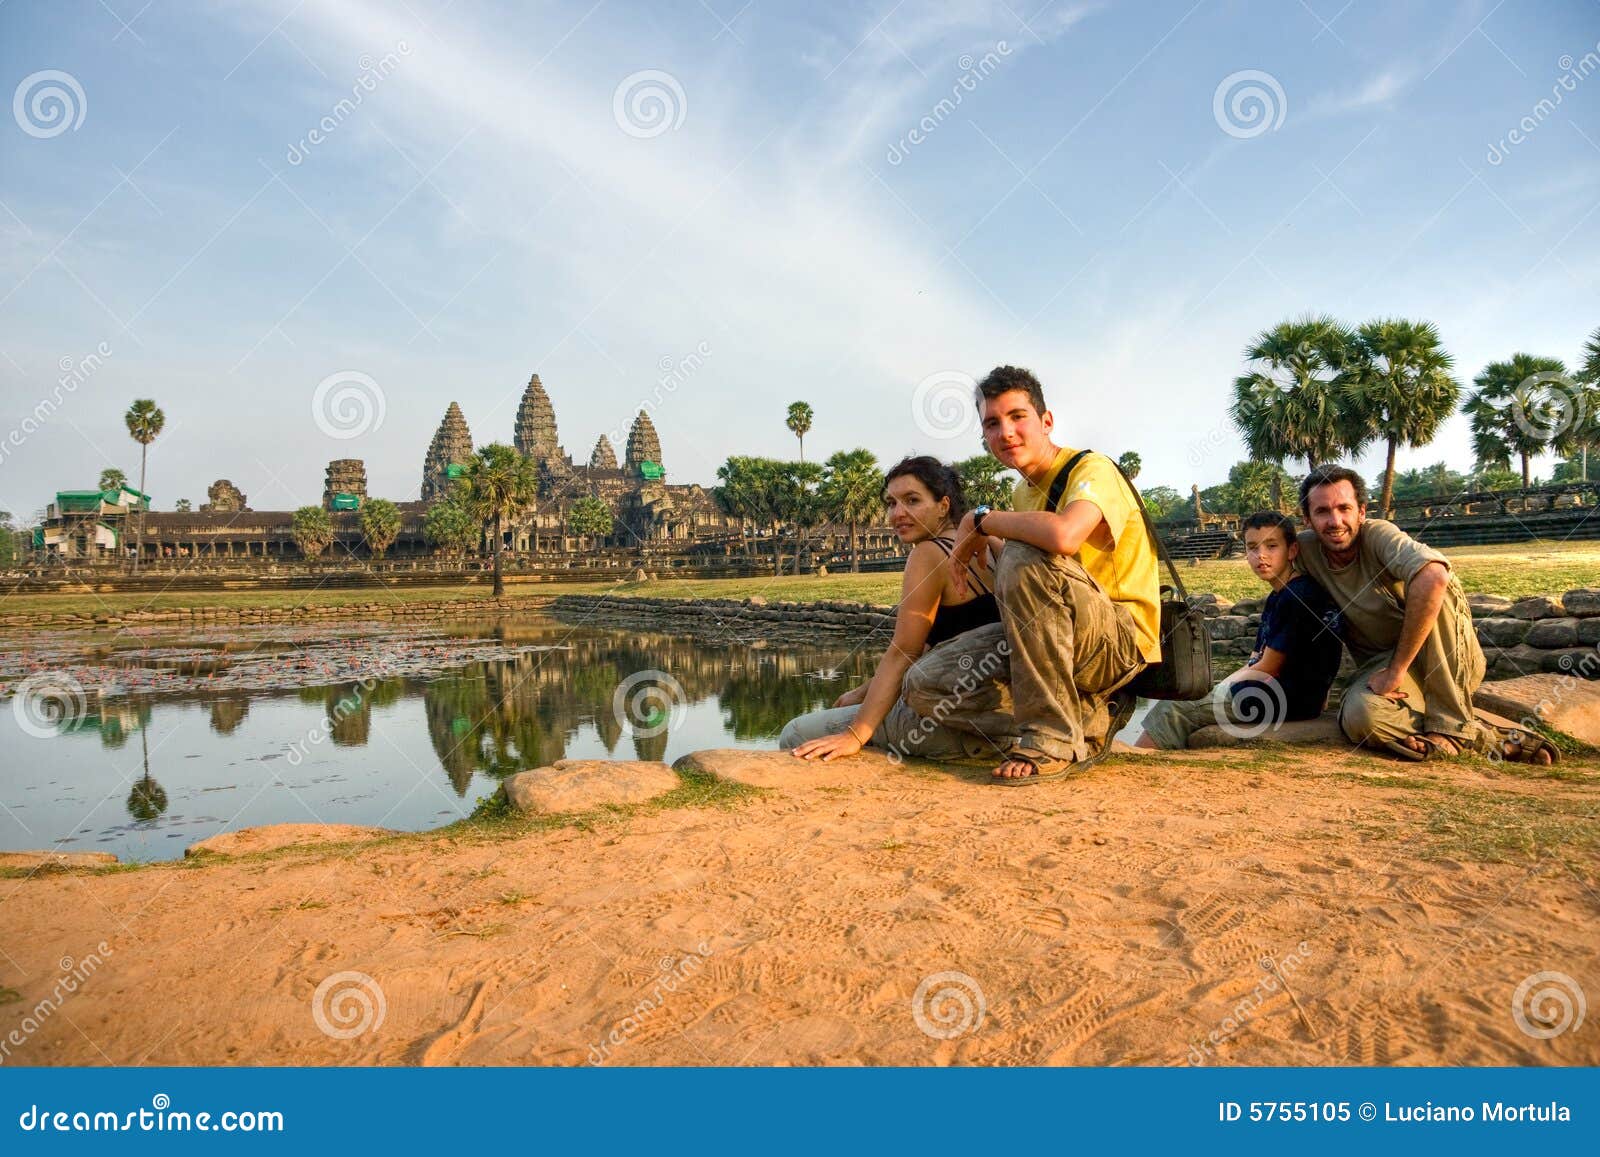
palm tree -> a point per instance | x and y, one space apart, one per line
380 524
500 484
590 518
1288 404
852 493
1399 381
1514 410
800 501
1130 464
183 506
799 423
748 490
985 482
1588 381
312 529
449 525
144 421
112 479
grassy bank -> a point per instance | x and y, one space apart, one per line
1514 571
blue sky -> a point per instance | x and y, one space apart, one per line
1095 207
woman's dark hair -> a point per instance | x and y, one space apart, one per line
940 480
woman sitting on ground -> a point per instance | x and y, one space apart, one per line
925 505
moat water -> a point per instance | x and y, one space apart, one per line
143 743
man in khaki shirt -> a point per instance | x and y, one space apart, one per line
1407 625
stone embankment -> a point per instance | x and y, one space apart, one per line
92 616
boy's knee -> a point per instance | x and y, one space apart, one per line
1020 565
789 737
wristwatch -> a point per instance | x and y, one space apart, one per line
978 516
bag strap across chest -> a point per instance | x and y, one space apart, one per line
1058 488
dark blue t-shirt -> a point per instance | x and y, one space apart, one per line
1303 623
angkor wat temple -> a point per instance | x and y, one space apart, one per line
647 511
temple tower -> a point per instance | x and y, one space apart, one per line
644 446
604 456
344 486
451 446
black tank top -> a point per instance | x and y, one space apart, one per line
950 621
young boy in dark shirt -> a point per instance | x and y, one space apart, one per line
1295 658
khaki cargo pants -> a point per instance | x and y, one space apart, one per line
1438 687
1044 673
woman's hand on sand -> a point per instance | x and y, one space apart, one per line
829 747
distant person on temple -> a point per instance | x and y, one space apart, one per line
925 504
1292 665
1409 630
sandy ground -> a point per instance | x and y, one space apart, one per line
1214 907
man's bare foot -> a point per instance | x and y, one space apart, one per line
1443 745
1413 743
1014 769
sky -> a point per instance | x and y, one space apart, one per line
304 227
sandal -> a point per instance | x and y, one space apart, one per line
1528 744
1045 766
1442 747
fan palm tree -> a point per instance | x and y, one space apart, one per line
1513 411
112 479
144 420
985 482
312 529
1399 381
500 484
1589 398
852 493
1130 464
1288 403
380 524
799 423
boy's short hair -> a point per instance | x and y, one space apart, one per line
1326 475
1004 379
1266 520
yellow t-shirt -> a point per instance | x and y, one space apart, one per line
1129 572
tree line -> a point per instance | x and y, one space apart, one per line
1317 390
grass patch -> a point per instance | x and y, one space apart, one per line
9 995
1499 827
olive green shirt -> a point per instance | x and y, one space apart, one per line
1371 590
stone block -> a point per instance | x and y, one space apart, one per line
1560 701
270 837
575 785
780 769
1551 633
1497 631
1322 730
1484 606
1228 626
1536 607
1589 631
35 861
1584 602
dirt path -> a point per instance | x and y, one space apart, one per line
1124 918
